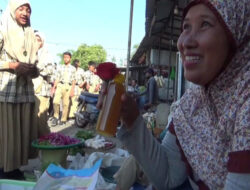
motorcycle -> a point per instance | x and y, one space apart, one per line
86 110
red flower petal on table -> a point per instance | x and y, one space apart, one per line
107 70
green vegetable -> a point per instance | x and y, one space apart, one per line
85 134
75 150
45 143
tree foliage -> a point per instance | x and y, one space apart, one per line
86 53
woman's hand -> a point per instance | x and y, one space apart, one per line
129 110
35 71
25 70
13 65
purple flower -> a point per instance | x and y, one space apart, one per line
57 139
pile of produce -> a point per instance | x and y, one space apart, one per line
85 134
57 139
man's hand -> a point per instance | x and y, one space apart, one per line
102 94
87 86
72 92
52 91
97 88
83 84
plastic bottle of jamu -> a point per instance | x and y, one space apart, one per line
110 113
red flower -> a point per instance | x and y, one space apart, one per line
107 71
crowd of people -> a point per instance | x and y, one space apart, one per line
67 82
70 81
58 87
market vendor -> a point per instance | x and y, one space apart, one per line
207 143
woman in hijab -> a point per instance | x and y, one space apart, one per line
42 86
208 142
18 47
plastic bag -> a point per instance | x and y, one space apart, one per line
108 160
57 178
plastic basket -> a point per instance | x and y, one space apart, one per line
58 156
54 154
51 147
16 185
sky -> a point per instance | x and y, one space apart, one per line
70 23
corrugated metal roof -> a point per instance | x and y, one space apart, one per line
163 26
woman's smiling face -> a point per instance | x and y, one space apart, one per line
203 45
22 14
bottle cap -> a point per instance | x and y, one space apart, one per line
119 78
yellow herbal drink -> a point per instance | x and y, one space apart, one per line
109 115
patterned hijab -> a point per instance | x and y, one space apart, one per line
211 122
19 42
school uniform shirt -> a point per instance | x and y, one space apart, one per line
66 74
79 80
93 80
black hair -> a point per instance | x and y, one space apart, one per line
134 80
75 62
92 63
67 53
150 71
